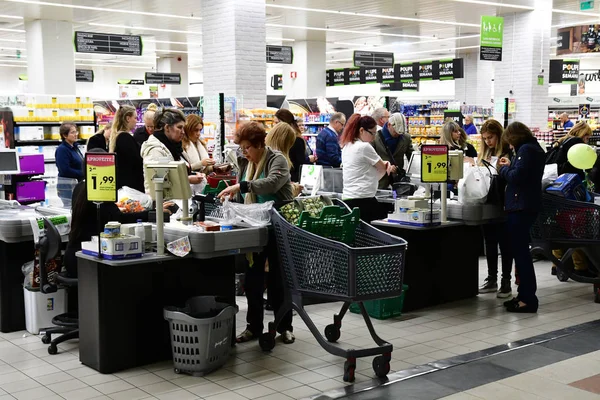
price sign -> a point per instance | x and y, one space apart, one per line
101 176
434 163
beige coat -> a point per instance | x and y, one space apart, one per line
194 153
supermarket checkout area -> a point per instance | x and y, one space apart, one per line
442 260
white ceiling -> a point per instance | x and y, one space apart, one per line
433 26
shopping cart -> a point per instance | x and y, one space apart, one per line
569 224
370 267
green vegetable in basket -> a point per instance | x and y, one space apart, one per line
291 213
313 206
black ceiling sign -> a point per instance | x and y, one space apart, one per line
369 59
280 54
159 78
107 43
84 75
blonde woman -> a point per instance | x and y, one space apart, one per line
194 148
282 137
456 139
130 166
100 139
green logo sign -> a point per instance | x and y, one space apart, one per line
490 46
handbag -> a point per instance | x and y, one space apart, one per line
497 186
401 173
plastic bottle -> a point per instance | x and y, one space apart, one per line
140 231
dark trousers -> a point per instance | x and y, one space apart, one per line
255 287
518 225
370 209
496 235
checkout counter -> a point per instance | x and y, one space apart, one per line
442 261
121 302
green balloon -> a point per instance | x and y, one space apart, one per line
582 156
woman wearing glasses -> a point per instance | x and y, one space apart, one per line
362 167
264 176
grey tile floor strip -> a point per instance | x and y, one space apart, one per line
471 370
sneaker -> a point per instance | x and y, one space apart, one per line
246 336
553 270
505 290
511 302
288 337
489 285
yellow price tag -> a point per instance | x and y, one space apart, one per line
434 163
101 176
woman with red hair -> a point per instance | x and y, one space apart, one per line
362 167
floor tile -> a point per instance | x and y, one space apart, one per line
468 376
281 384
207 390
145 379
255 391
19 386
301 392
131 394
177 395
34 394
226 396
497 391
109 388
546 388
275 396
82 394
570 370
67 386
159 388
590 384
93 380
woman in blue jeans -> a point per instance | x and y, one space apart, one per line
522 203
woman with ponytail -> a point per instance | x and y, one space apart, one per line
362 167
130 166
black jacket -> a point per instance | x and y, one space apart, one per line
524 178
97 142
130 166
141 135
297 157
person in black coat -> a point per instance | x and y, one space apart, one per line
142 133
523 198
100 140
297 153
130 165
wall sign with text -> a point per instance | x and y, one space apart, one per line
101 176
159 78
564 71
108 43
84 75
434 163
280 54
370 59
491 37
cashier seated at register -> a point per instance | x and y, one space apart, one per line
166 142
456 139
84 223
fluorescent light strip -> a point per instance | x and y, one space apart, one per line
10 16
398 45
12 48
12 40
13 65
593 21
115 66
310 28
142 28
15 61
496 4
12 30
281 39
113 61
169 42
585 14
13 55
177 51
357 14
103 9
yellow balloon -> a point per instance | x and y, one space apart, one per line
582 156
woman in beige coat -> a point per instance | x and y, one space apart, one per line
194 148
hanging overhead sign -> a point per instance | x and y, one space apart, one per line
373 59
107 43
412 86
407 71
84 75
280 54
491 36
564 71
159 78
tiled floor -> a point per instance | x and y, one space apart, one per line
302 369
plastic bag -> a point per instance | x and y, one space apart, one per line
550 174
252 214
475 186
131 200
27 270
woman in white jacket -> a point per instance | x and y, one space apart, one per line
194 148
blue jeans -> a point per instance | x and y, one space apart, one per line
518 225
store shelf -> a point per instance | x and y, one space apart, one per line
53 123
262 119
316 123
42 142
427 136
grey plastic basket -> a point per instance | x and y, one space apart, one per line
200 335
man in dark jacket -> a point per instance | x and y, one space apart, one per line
329 152
142 133
392 144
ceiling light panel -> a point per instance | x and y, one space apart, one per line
381 16
372 33
496 4
143 28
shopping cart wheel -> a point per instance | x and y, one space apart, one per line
46 339
52 349
349 368
177 370
561 275
332 333
381 366
266 341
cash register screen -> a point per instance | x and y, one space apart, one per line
9 162
414 167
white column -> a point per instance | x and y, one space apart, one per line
50 57
526 51
309 64
177 63
234 53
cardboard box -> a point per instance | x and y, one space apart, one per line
122 247
417 217
29 132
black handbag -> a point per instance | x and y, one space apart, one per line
497 186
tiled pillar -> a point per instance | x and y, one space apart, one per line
234 53
50 57
309 64
476 87
526 52
177 63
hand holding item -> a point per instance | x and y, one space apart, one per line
388 168
504 162
470 160
167 205
196 179
229 192
207 162
312 159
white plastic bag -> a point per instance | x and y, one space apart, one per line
550 174
127 193
252 214
475 185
